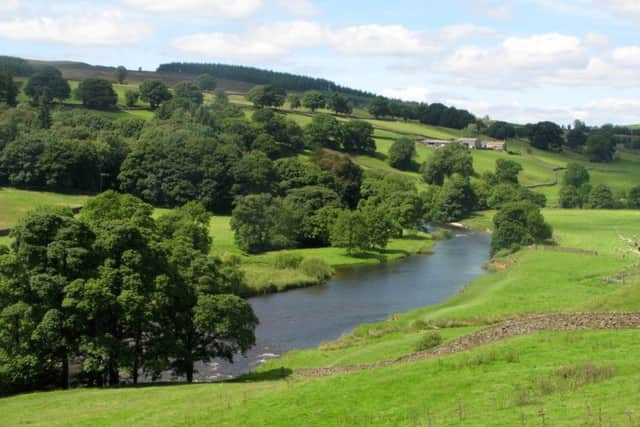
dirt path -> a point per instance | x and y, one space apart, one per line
508 329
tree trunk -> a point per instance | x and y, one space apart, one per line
65 372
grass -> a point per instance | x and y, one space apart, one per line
15 203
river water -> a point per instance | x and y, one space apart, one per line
303 318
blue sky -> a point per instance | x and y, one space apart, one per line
518 60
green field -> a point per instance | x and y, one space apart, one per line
579 378
15 203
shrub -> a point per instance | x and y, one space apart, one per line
420 325
428 341
316 267
287 260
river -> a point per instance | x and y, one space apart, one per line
303 318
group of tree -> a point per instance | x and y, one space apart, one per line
118 294
577 192
435 114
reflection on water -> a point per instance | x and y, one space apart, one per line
304 318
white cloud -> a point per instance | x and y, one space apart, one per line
463 31
235 9
381 40
9 6
278 39
494 9
629 55
416 94
622 8
544 50
298 7
597 40
265 42
107 28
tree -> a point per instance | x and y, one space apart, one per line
121 74
518 224
154 92
576 138
131 97
600 148
339 104
8 89
261 222
188 91
569 197
576 175
455 201
601 197
379 107
324 131
379 225
350 231
401 154
267 96
357 137
294 102
254 173
97 94
501 130
49 84
507 171
546 136
341 175
313 100
454 158
634 197
315 207
43 114
206 82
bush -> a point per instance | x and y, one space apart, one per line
420 325
316 267
287 260
428 341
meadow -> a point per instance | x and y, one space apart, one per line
552 378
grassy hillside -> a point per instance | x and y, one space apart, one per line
15 203
579 378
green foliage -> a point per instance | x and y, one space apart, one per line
357 137
267 96
154 92
47 84
315 208
546 136
189 91
254 173
350 231
402 154
8 89
507 171
454 201
287 260
97 94
576 175
600 148
634 197
324 131
501 130
316 267
339 104
453 159
342 176
118 291
428 341
313 100
601 197
519 224
261 222
206 82
295 102
576 138
131 97
379 107
569 197
121 74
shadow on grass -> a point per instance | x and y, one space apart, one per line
270 375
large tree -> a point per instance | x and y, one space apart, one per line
402 153
546 136
121 74
97 93
267 96
454 158
47 84
188 91
357 137
314 100
339 104
154 92
600 147
519 224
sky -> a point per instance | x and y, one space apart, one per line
516 60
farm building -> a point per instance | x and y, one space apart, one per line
470 142
436 143
494 145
